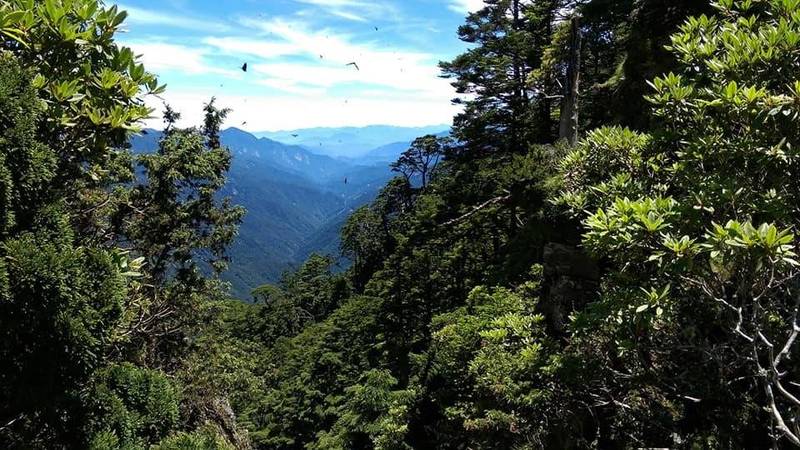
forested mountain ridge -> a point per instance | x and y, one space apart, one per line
602 254
296 202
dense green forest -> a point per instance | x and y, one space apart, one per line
602 255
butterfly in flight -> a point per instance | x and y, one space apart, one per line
244 67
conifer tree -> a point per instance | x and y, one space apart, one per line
502 117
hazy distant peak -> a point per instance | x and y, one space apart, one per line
351 142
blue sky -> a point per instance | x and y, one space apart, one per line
297 51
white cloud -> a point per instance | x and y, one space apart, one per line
348 15
261 49
292 87
302 61
466 6
161 57
149 17
262 113
414 72
335 3
288 85
355 10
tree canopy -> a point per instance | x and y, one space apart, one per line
98 280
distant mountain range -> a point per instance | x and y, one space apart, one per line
296 198
351 142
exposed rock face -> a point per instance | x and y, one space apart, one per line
218 413
571 280
226 421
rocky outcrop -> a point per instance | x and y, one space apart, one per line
216 412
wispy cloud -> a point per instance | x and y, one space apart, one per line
298 63
348 15
355 10
288 112
327 54
162 57
139 16
466 6
336 3
247 46
292 87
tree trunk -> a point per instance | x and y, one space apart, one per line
568 128
517 103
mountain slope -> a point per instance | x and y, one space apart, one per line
292 158
296 202
386 153
325 240
389 153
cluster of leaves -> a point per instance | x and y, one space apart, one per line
699 216
491 364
